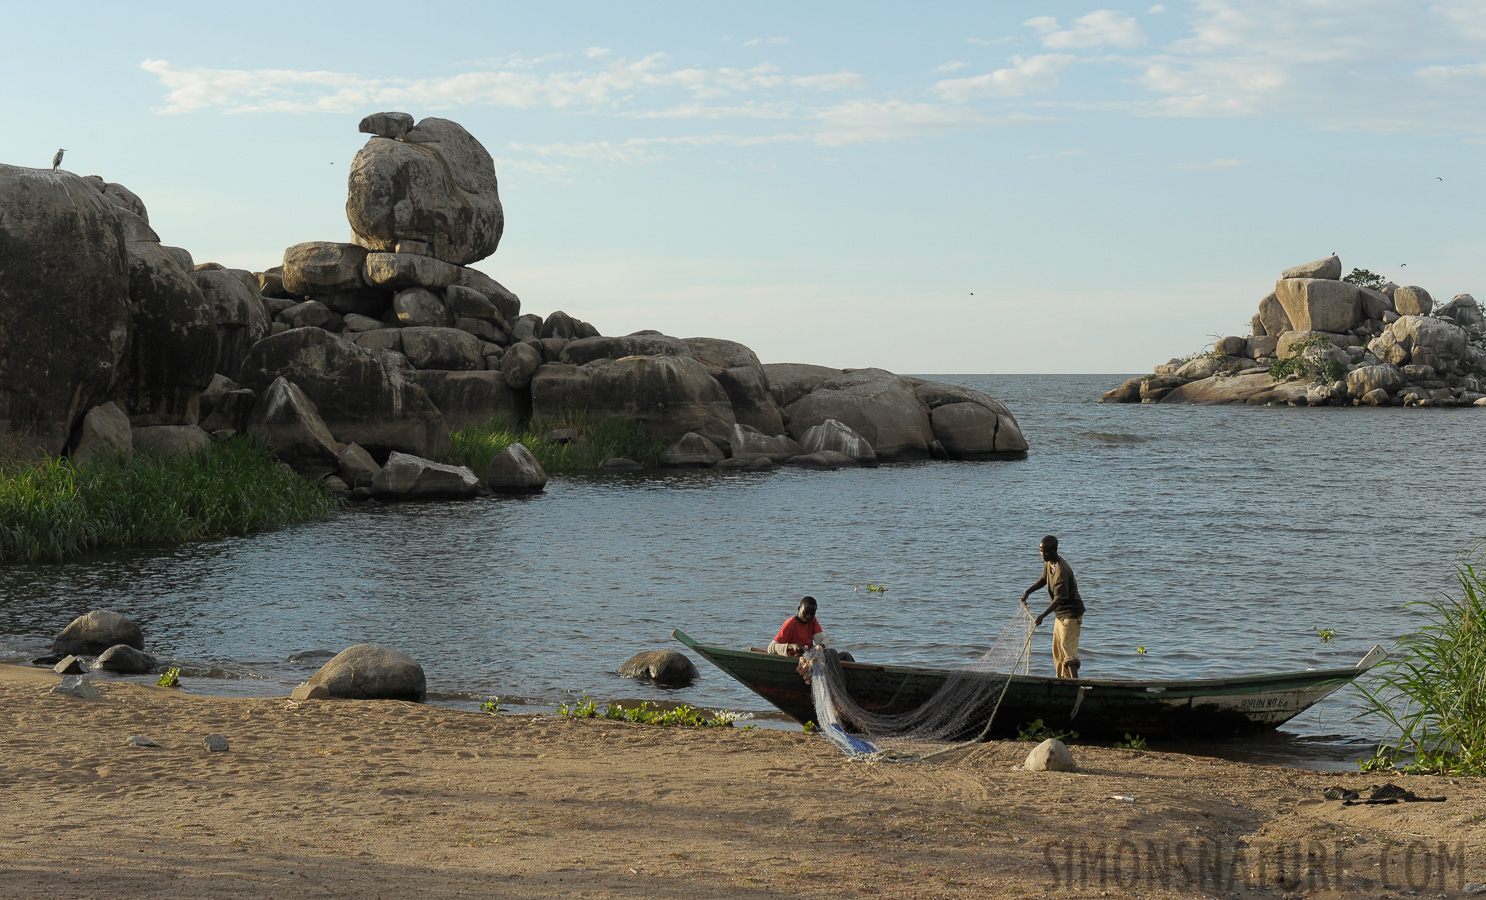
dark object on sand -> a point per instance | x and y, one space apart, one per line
1382 795
1340 793
1203 708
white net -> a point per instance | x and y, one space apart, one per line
923 715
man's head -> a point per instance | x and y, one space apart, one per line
1049 548
806 611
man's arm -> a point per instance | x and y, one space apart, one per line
1041 583
1050 607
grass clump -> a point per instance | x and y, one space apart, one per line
53 510
644 715
1432 692
476 445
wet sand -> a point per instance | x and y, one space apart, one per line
378 799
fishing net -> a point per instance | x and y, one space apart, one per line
924 716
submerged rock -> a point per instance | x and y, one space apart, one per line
95 632
664 667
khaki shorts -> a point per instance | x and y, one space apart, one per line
1065 644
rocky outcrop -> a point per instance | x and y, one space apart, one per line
750 443
434 185
95 632
742 376
970 424
878 405
835 436
473 398
1327 341
669 395
64 305
286 422
242 319
370 398
372 672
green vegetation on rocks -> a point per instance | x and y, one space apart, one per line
52 510
476 445
1430 692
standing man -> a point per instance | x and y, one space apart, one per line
1069 606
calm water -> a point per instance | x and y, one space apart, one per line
1219 539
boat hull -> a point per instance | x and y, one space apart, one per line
1095 708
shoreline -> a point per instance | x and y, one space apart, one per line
362 798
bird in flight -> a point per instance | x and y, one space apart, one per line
57 160
1438 178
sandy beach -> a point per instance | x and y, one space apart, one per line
373 799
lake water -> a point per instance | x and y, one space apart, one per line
1219 539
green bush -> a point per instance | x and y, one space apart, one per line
52 510
1430 692
644 715
475 446
1364 278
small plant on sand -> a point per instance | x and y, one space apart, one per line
491 706
583 709
809 727
1036 731
170 678
1131 742
1327 635
1429 693
679 715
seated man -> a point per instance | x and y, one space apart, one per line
798 632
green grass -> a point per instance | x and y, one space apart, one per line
1432 692
475 446
52 510
643 715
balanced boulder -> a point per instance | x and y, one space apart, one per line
1329 268
95 632
664 667
317 268
372 672
436 185
1319 304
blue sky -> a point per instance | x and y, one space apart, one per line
994 187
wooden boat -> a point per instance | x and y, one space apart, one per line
1097 708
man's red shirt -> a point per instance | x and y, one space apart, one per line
793 631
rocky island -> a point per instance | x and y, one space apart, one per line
352 361
1321 339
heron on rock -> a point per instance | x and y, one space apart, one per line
57 160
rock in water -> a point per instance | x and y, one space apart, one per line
668 395
372 672
64 305
515 471
407 477
68 665
835 435
1050 756
123 659
91 634
876 404
692 451
664 667
436 185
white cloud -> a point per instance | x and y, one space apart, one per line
877 121
1156 10
1061 154
776 41
951 66
596 52
1032 73
646 150
1211 165
1102 27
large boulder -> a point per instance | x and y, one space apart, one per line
287 423
1441 336
104 432
1052 755
664 667
371 398
789 382
1319 304
878 405
242 319
173 349
834 436
64 305
669 395
1463 309
316 268
407 477
372 672
506 302
748 442
169 440
95 632
400 270
1412 300
442 348
387 124
1273 317
436 185
1375 304
417 307
641 343
519 364
515 470
472 398
740 373
971 424
1364 380
1329 268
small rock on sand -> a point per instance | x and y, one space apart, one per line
216 743
1050 756
135 740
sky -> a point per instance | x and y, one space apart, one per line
964 188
